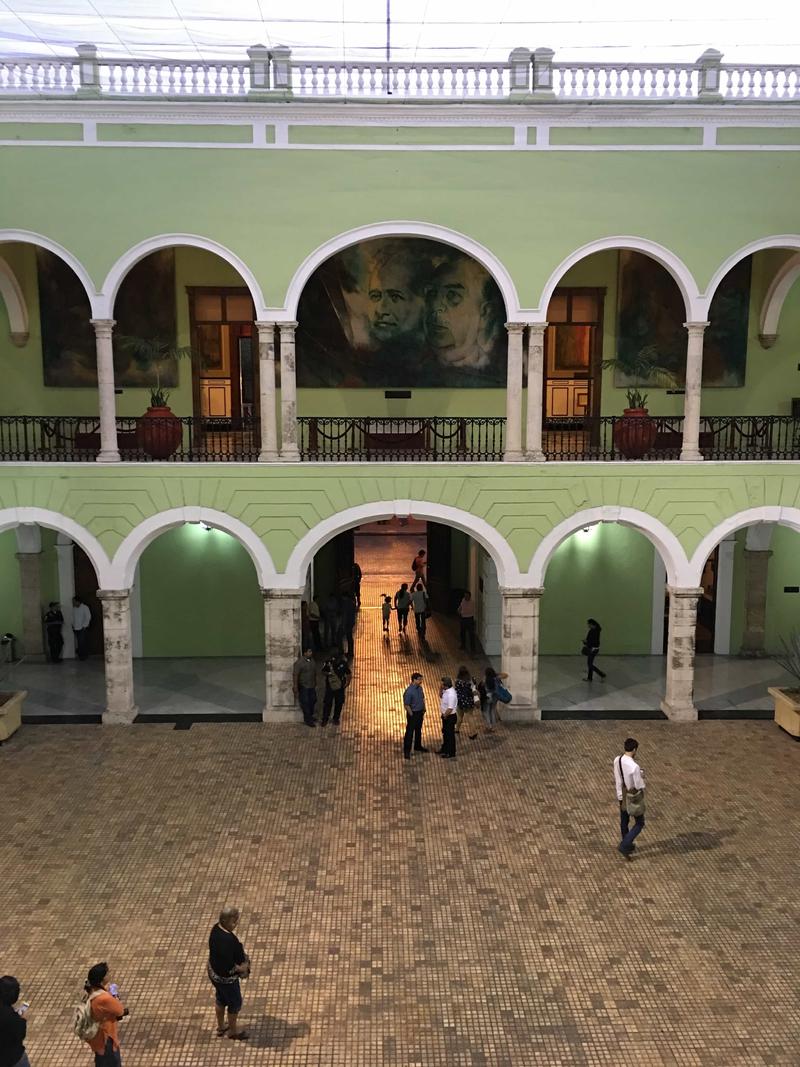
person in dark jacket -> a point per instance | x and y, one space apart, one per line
591 646
13 1026
227 964
53 624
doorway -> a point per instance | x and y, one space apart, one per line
86 589
706 608
573 355
224 371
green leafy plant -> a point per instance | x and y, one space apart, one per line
153 353
644 366
789 656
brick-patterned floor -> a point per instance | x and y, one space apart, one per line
467 913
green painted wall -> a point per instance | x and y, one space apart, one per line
625 135
384 135
200 596
220 133
758 135
606 574
10 598
41 131
783 609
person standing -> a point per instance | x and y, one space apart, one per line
228 963
313 615
402 602
107 1011
53 623
419 598
629 782
386 611
331 616
466 694
347 613
466 622
13 1025
414 704
337 675
489 697
591 646
304 685
81 621
448 707
357 576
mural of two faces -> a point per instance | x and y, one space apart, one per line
401 312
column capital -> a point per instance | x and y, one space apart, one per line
113 594
684 593
280 594
515 327
288 326
518 591
103 327
537 328
696 327
266 336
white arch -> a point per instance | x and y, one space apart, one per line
14 299
401 229
784 516
123 565
663 539
776 295
30 238
54 520
508 574
684 278
785 240
170 240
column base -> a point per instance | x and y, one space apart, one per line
107 457
120 718
289 455
752 653
679 712
519 713
535 457
513 457
282 716
689 455
268 457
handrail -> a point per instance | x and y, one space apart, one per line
527 76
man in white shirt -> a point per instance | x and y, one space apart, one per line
81 621
628 773
448 706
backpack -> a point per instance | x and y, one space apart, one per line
84 1024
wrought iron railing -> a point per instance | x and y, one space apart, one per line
440 439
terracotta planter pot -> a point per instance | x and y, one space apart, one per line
787 709
159 432
634 433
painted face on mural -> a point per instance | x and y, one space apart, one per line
396 308
459 317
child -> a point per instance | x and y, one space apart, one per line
386 611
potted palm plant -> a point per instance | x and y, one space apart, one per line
158 431
635 432
787 701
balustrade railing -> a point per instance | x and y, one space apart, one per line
406 439
526 75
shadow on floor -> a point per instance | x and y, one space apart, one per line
269 1031
694 841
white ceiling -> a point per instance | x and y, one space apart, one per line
421 29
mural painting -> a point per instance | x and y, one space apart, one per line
401 311
651 313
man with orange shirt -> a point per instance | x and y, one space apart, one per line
106 1012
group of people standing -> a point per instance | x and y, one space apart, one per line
459 705
54 624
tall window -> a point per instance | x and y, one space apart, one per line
573 351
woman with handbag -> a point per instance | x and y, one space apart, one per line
591 646
227 964
467 695
495 691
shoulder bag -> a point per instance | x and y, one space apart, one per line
632 799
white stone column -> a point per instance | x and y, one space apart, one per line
65 553
756 573
533 427
29 543
513 449
266 378
120 708
109 452
289 449
678 702
521 653
282 640
690 449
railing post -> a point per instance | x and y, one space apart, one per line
543 74
708 64
88 70
282 69
520 60
259 70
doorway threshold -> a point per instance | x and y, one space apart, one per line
603 715
186 720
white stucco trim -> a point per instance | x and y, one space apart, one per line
657 609
14 299
666 543
788 241
784 516
487 536
54 520
399 229
671 263
778 290
126 558
30 238
115 276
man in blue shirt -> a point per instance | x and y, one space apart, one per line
414 703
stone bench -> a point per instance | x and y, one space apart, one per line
11 713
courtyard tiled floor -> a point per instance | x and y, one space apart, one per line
467 913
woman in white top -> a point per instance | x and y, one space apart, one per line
448 706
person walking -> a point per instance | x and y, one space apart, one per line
228 963
629 783
466 622
448 707
419 567
107 1011
81 621
347 613
13 1025
304 685
466 693
414 704
357 576
53 623
402 602
419 598
313 615
591 646
386 611
337 675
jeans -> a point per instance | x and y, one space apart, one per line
490 710
629 835
449 735
110 1056
413 731
590 667
402 618
421 621
308 702
466 633
332 699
